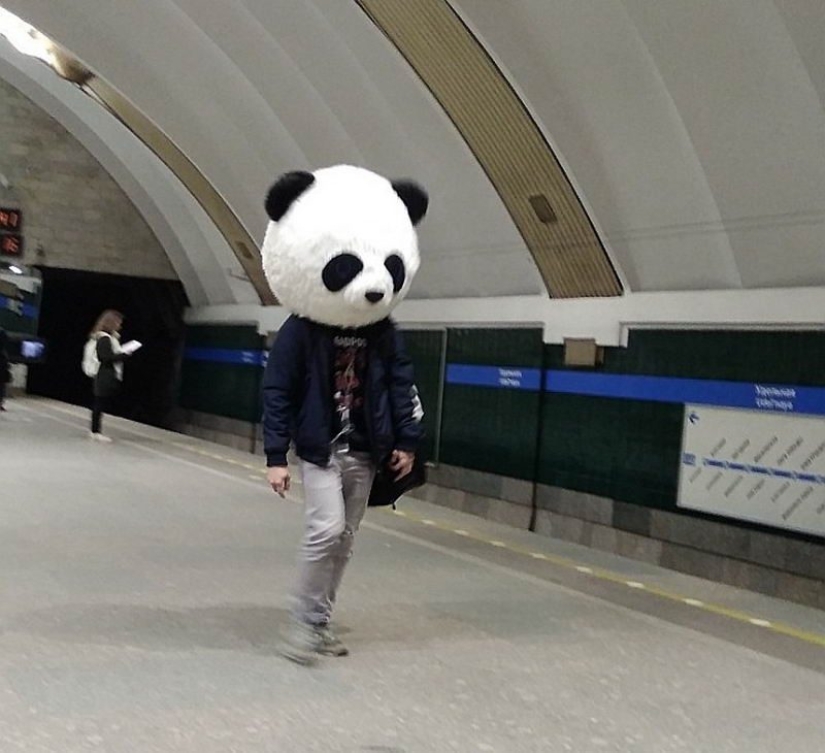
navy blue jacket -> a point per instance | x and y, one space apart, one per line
298 392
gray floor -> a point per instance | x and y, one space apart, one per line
143 587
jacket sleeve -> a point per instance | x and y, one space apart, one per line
404 402
282 390
105 352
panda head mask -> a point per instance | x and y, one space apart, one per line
341 247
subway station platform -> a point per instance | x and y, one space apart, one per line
144 585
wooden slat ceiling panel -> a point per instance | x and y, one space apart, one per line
225 220
504 138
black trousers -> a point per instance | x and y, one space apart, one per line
100 405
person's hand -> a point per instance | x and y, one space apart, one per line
401 462
278 477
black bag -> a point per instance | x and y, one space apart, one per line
386 490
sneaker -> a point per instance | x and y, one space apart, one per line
330 644
300 643
99 437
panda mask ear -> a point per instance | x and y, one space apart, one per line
414 198
285 191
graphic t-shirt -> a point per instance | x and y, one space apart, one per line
349 375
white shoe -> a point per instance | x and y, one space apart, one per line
99 437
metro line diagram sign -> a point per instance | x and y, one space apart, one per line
761 467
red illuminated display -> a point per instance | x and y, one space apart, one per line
11 219
11 244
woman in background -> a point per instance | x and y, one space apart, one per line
109 375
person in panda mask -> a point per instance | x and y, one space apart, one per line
340 253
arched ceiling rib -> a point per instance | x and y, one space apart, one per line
505 140
199 187
210 276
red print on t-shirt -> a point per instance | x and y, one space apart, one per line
348 378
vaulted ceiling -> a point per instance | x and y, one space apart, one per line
689 137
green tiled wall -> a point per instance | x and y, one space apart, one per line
622 449
748 356
489 429
222 389
426 349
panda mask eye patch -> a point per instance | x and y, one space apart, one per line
395 266
340 271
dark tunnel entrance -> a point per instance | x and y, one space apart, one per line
153 311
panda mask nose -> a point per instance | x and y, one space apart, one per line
374 296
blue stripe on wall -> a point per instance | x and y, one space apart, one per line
752 396
226 355
502 377
781 398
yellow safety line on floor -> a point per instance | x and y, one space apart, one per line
816 639
734 614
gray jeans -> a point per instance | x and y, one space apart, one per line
335 499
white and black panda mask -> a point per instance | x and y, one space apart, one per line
341 248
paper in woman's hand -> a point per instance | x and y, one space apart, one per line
131 346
